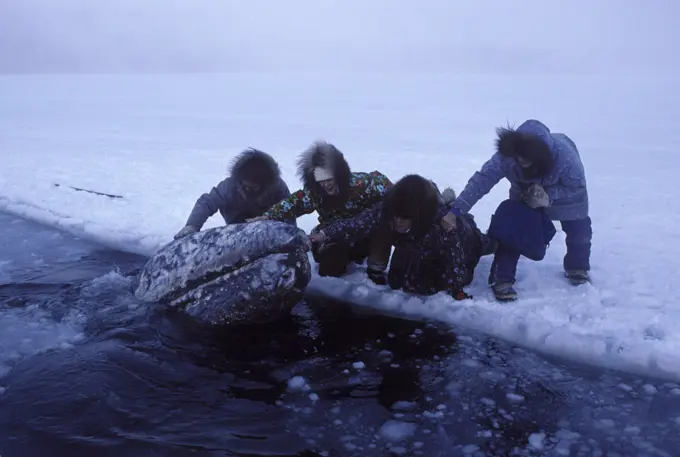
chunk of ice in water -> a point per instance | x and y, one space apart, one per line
536 440
396 430
297 383
514 398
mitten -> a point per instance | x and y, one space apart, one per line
536 197
449 195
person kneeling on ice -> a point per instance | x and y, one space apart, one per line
335 192
428 259
545 171
254 185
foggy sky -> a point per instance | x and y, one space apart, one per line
338 35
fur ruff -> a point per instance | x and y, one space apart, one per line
327 156
511 143
270 168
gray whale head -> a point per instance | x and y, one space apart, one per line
238 273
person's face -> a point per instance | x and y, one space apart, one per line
330 186
250 187
401 225
524 163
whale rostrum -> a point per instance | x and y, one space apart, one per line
246 273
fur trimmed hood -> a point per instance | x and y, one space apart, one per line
253 163
329 158
412 197
531 141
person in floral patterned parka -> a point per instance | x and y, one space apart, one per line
427 259
335 192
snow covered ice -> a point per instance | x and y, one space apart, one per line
161 141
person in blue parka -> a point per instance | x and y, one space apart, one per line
254 184
545 171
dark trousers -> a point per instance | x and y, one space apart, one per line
579 240
416 272
475 245
579 234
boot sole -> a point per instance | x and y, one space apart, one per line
577 280
509 296
506 298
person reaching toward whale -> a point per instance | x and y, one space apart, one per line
254 184
335 192
427 259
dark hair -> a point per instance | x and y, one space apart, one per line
256 170
255 165
412 197
513 144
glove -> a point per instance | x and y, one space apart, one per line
536 197
187 230
376 276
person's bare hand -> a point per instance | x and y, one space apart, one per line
317 237
187 230
448 222
258 218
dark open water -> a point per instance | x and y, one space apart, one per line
86 370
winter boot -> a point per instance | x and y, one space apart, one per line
577 277
504 292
